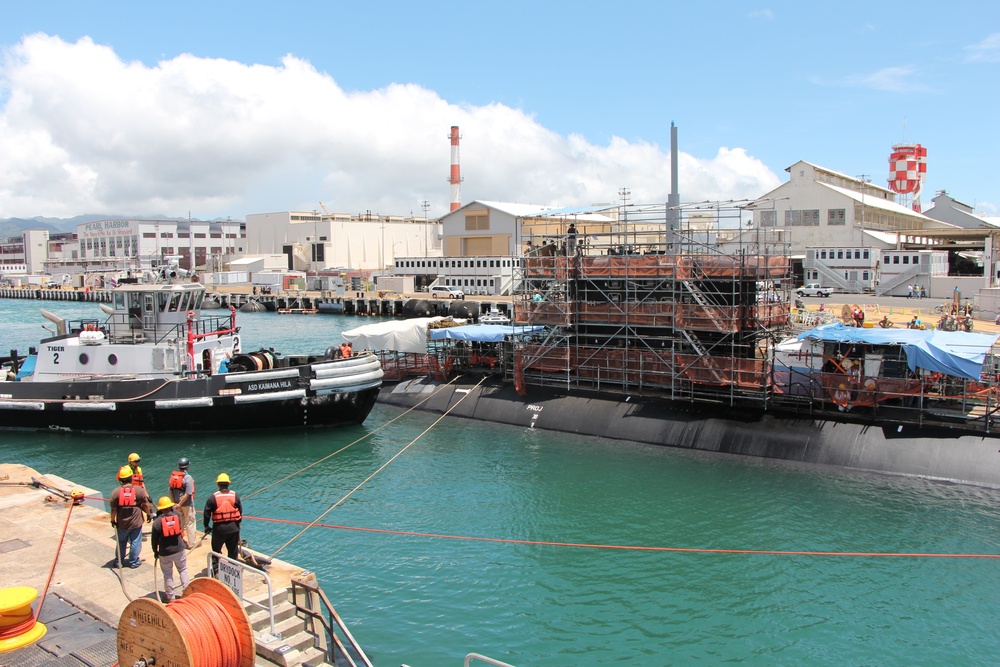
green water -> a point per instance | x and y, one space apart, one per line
428 601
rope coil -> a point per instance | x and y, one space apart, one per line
208 627
9 629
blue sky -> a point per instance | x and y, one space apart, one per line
235 108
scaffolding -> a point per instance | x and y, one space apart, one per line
682 302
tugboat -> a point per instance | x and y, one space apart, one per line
156 365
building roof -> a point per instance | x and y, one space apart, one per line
889 238
884 204
868 184
245 261
580 213
516 210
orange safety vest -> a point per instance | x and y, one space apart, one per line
177 479
126 498
136 477
225 507
171 525
345 351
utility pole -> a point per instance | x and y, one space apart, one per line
865 180
624 194
427 244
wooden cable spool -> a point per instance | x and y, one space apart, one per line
207 627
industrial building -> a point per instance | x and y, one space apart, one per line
318 242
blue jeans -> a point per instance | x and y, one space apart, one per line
132 538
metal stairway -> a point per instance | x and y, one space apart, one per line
899 279
302 636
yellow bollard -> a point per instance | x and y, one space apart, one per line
15 611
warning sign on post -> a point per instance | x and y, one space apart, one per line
232 576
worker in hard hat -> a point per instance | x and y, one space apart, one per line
169 546
128 505
181 487
225 510
133 463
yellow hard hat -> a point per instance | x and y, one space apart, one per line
133 458
223 478
124 473
164 503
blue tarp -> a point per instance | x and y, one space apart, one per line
957 353
27 367
481 333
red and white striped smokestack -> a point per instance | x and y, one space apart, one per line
456 174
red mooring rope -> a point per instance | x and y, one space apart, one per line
628 547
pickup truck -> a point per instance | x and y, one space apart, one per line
814 289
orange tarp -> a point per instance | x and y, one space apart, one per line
648 367
685 267
637 266
847 391
746 373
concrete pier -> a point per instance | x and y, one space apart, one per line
86 598
375 304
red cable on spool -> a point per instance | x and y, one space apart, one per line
209 629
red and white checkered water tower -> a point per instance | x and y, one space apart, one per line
907 170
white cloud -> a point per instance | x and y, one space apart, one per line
988 50
890 79
765 14
85 132
987 208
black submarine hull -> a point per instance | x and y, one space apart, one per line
892 448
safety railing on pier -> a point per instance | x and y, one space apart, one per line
338 643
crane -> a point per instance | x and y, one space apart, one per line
325 209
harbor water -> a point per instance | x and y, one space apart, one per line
540 548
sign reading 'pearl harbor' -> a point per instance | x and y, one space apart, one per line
108 228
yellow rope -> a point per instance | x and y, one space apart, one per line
380 469
345 447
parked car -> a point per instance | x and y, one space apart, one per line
447 292
814 289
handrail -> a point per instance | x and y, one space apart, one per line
333 641
270 593
493 661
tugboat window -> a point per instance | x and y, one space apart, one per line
84 359
113 359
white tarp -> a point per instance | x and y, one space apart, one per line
396 335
